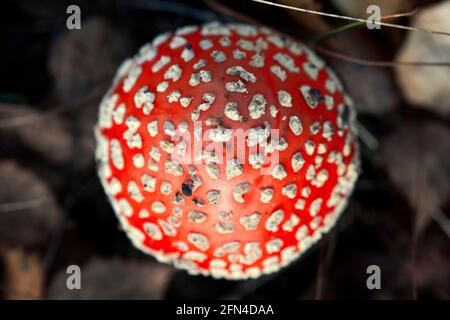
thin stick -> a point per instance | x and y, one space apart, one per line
23 205
367 137
378 63
336 16
339 55
320 271
441 219
355 24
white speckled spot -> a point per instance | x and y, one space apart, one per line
116 154
173 73
251 221
197 216
315 206
161 63
266 195
132 77
237 86
257 106
144 99
162 86
213 196
274 245
224 227
295 125
138 160
152 128
278 172
242 73
199 240
278 72
310 147
153 231
232 111
148 182
158 207
173 167
297 161
289 190
206 44
187 54
228 247
285 98
233 169
274 221
256 160
218 56
177 42
239 190
166 188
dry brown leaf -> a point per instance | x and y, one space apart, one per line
28 211
24 278
24 129
427 87
115 279
417 160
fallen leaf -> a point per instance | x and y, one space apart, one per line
23 129
28 211
427 87
115 279
417 160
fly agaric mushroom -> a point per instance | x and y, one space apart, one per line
191 200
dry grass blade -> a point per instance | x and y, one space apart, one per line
369 140
23 205
441 219
355 24
336 16
375 63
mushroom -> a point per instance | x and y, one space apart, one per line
227 150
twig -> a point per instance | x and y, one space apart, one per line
355 24
23 205
442 221
332 53
367 137
320 277
375 63
336 16
326 254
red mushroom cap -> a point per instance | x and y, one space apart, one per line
226 149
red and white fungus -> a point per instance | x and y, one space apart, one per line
226 209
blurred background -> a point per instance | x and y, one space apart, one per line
53 212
